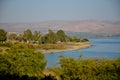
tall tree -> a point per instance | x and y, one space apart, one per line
27 35
62 36
20 37
36 36
3 35
51 37
12 36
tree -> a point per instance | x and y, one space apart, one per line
70 67
37 36
75 39
89 68
12 36
61 35
27 35
20 37
22 60
51 37
84 40
3 35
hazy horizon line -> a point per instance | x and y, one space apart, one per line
112 21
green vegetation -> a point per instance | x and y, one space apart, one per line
3 35
12 36
62 36
50 37
88 69
84 40
36 37
20 60
27 35
6 44
50 40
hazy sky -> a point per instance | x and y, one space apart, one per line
42 10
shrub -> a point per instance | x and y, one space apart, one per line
89 69
6 44
20 60
84 40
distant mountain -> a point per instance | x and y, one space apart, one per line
84 28
86 34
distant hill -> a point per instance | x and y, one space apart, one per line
82 28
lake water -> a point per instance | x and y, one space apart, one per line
103 47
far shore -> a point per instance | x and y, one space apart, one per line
69 47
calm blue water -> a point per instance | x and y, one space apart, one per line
105 47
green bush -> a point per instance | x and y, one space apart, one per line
20 60
6 44
89 69
84 40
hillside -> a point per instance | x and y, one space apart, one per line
87 28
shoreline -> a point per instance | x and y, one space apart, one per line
69 47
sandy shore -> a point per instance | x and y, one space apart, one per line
68 47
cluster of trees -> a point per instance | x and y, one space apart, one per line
27 36
37 37
21 61
88 69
